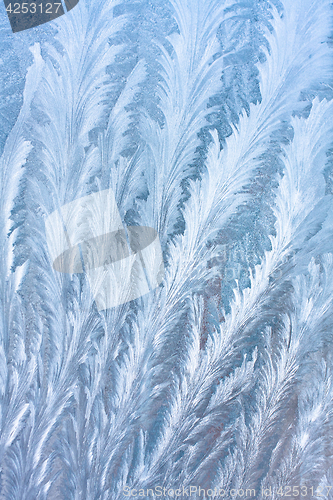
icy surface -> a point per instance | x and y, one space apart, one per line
211 122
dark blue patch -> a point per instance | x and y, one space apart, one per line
24 15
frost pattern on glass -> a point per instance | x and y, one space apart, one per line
211 123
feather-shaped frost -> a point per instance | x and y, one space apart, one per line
171 389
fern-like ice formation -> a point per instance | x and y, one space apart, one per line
211 122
